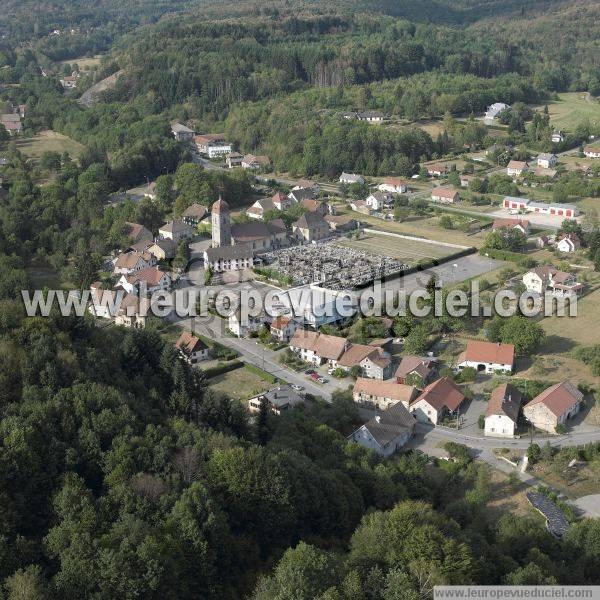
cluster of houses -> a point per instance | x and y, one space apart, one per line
544 166
234 245
564 211
11 120
369 116
215 145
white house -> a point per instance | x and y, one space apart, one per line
569 243
493 111
212 145
131 262
553 406
371 116
546 160
152 279
192 349
104 304
176 230
279 400
378 201
234 159
502 414
439 399
283 328
592 151
242 325
488 357
386 433
548 279
393 185
557 137
350 178
382 394
317 348
228 258
516 168
254 162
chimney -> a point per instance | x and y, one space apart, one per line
378 418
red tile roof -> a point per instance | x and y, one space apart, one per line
489 352
558 399
440 393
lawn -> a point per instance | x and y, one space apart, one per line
570 482
573 108
240 384
407 250
48 141
84 62
505 498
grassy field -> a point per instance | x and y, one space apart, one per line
240 384
49 141
407 250
84 62
573 108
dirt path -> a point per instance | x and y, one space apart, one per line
89 96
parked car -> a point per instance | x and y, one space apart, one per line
322 380
298 388
309 372
330 371
314 376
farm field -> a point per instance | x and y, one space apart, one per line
84 62
240 384
572 108
406 250
49 141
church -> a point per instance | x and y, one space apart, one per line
259 236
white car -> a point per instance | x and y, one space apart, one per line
298 388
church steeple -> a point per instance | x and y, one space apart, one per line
221 223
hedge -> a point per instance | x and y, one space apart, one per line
262 374
222 368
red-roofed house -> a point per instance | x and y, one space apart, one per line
438 399
502 412
488 356
192 349
553 406
521 224
283 328
445 195
153 278
437 170
393 185
382 394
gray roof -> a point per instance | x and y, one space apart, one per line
176 226
282 396
310 220
392 423
179 128
370 114
238 251
303 194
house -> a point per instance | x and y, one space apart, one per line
360 206
193 214
488 357
162 249
548 279
445 195
386 433
234 159
502 413
521 224
465 180
438 400
383 394
515 168
378 201
12 126
374 362
547 160
307 184
350 178
300 194
341 223
553 406
415 370
131 262
104 304
437 170
393 185
182 133
242 325
592 151
137 233
493 111
279 399
191 348
212 145
176 230
557 137
69 82
318 206
281 201
544 241
133 312
569 243
317 348
252 162
349 115
283 328
370 116
310 227
566 211
259 208
149 280
228 258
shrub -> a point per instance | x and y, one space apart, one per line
533 453
481 421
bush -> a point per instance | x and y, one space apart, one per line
533 453
481 421
560 429
222 368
